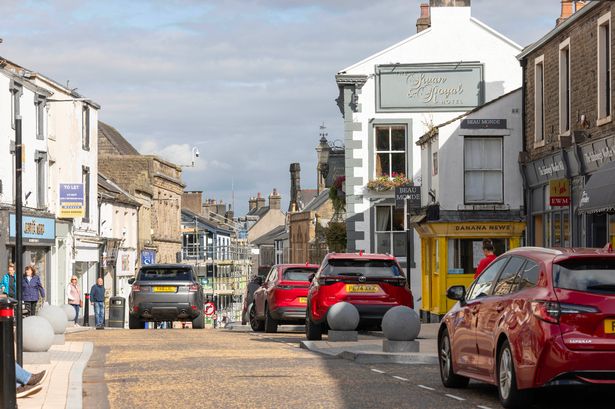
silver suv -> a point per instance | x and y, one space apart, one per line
165 292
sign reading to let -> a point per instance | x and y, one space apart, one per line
559 192
72 201
421 87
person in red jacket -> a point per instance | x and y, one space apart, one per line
489 257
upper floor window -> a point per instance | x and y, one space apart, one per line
85 178
85 127
390 150
41 181
564 87
390 234
604 69
539 106
483 170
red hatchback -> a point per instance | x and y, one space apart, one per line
282 297
535 317
373 283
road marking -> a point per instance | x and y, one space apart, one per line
400 378
377 370
426 387
483 407
454 397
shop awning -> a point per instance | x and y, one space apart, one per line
599 193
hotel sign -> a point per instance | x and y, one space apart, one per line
433 87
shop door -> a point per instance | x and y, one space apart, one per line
598 230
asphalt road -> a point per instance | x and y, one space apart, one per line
184 368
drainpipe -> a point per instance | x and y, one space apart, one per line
527 197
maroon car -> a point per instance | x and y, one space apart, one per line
535 317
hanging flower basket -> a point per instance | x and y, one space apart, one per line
385 183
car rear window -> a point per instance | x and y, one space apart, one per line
298 274
362 267
596 276
165 274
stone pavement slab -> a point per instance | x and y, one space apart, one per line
62 387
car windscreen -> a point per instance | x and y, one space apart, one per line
298 274
165 274
590 275
362 267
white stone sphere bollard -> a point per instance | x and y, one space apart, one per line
37 334
56 317
69 310
401 323
343 316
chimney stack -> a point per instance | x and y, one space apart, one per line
295 186
260 201
424 21
275 200
567 11
251 204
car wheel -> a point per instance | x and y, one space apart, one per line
198 322
445 358
313 332
510 396
135 323
255 324
271 325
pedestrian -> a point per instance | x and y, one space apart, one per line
97 298
32 288
74 296
488 251
9 286
27 383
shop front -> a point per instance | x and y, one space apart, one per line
451 252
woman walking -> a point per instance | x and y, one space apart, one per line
74 296
32 289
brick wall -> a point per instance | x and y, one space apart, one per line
583 68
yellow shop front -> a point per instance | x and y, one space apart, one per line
451 252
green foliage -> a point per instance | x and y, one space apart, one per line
335 236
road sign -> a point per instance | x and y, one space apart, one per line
210 309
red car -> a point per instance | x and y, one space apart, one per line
535 317
373 283
282 297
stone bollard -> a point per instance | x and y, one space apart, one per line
37 339
69 310
57 318
343 319
401 326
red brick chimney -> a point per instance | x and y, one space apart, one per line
567 11
424 21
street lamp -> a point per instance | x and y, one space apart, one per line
195 154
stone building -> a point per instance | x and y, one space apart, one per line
569 135
156 184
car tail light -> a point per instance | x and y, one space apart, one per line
193 287
551 311
136 288
327 280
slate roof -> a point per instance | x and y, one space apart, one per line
107 189
318 201
258 212
203 220
305 196
116 139
270 237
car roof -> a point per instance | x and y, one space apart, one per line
285 266
560 254
167 266
370 256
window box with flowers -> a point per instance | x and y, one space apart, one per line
387 183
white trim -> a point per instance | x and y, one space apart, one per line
564 45
603 20
540 60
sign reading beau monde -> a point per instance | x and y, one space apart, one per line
432 87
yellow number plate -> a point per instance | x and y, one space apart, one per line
165 289
362 288
609 326
302 300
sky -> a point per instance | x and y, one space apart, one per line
246 82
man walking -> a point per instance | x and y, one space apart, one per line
97 297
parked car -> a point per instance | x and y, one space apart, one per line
373 283
282 297
165 292
535 317
248 298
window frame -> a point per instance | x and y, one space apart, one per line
85 178
489 291
392 232
565 88
539 101
465 171
604 76
40 159
85 127
390 151
39 103
16 91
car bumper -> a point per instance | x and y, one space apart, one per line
368 313
289 314
165 311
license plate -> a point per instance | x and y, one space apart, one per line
165 289
362 288
302 300
609 326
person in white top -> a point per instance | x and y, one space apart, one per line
74 296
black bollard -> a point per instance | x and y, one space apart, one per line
8 400
86 311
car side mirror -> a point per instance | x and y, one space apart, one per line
456 292
311 277
131 281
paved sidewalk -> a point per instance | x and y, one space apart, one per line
63 386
